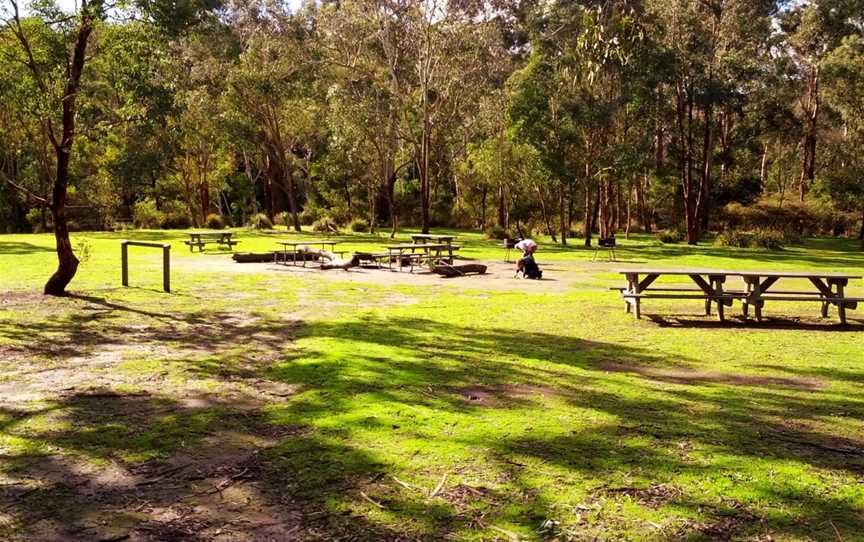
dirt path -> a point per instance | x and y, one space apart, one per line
499 275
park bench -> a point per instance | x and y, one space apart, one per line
200 239
372 258
829 289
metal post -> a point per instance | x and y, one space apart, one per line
166 268
124 262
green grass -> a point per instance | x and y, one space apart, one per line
538 413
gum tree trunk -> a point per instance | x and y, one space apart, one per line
67 263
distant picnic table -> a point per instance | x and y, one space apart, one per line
828 288
421 238
293 247
414 254
201 238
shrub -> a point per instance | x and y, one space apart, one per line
733 238
769 239
34 217
497 232
146 215
214 221
177 220
358 225
261 222
176 216
309 216
670 236
282 219
324 225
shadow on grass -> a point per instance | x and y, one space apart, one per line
316 474
767 323
16 248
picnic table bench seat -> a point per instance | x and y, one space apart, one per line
372 257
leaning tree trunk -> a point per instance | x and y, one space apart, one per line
67 263
861 233
292 199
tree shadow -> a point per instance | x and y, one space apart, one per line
768 323
17 248
164 471
313 468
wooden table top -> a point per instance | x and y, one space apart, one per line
419 245
210 234
431 236
722 272
313 242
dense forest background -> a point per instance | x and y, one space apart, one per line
559 117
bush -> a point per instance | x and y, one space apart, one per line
324 225
34 218
768 239
176 216
261 222
358 225
145 215
771 240
282 219
214 221
733 238
177 220
309 216
497 232
670 236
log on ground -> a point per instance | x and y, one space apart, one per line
459 270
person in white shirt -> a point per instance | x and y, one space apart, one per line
526 264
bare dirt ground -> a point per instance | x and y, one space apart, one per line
499 275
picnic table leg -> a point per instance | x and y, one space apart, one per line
637 306
756 294
708 303
717 282
632 281
841 305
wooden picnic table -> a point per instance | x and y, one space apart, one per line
422 238
201 238
428 251
295 245
828 289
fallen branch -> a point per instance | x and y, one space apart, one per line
406 485
439 487
19 498
329 260
163 475
224 484
366 497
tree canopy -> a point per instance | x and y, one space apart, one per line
566 118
